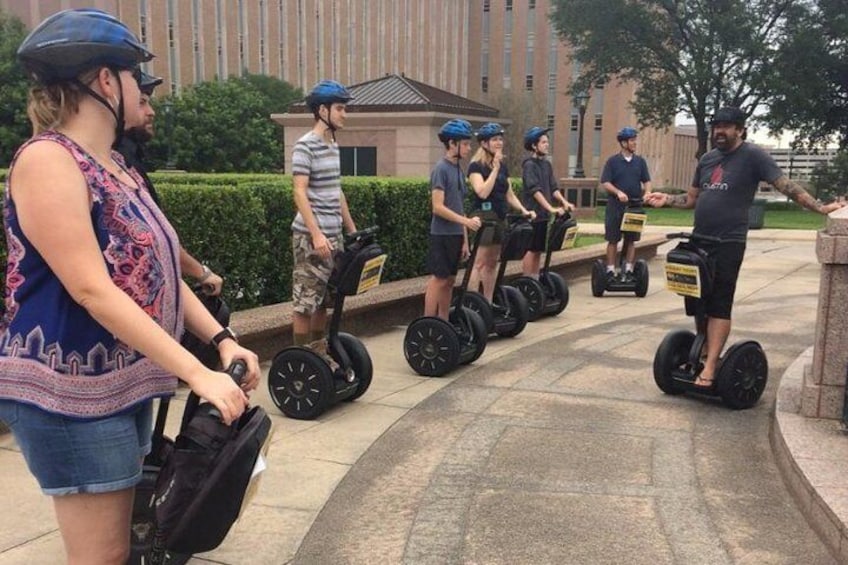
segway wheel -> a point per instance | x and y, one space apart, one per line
517 309
599 278
640 271
743 375
472 333
431 346
534 292
672 353
360 360
477 302
556 289
301 383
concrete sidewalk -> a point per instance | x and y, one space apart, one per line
555 447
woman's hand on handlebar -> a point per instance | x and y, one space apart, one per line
230 351
222 392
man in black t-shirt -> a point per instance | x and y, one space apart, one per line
131 147
722 191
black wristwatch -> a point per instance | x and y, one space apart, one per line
226 333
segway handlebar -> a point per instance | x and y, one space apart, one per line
692 236
361 234
237 370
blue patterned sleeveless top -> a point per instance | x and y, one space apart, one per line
53 354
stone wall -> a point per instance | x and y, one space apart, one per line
823 393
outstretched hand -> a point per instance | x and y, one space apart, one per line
656 199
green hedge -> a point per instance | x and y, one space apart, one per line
240 225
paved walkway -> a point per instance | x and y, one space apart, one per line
555 447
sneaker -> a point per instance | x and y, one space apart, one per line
610 276
320 347
629 277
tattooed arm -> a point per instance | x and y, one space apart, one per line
796 193
660 199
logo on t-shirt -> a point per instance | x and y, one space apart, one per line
716 180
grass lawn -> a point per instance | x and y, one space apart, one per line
778 216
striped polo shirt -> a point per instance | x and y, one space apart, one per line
315 158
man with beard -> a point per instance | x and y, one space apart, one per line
722 191
131 147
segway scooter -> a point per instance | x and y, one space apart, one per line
508 313
433 347
632 222
548 296
143 525
302 383
742 371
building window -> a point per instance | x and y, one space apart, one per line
575 119
552 79
508 5
142 21
551 121
599 122
487 5
484 85
358 161
507 68
528 82
508 25
531 4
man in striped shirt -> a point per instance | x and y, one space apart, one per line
322 212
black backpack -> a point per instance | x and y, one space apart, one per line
201 487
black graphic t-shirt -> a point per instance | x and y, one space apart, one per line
726 184
496 201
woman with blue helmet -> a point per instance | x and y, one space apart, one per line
492 196
540 194
322 214
95 301
448 241
625 177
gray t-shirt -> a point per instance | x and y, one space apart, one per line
450 178
726 184
315 158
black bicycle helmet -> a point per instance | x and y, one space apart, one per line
489 130
72 41
533 136
147 83
626 133
327 92
456 130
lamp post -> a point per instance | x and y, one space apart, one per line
581 99
168 108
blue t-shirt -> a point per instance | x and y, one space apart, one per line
450 178
497 198
726 184
626 176
537 175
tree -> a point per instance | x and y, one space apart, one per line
217 127
830 181
691 57
14 125
813 71
278 94
522 112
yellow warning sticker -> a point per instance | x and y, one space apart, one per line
683 279
372 272
570 238
633 222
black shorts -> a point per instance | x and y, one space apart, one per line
443 255
612 226
726 259
540 235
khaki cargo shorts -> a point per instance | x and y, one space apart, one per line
310 275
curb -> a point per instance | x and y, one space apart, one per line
810 454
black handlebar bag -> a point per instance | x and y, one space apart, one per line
202 487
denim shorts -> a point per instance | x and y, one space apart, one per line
73 456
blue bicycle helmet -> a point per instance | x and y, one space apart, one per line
327 92
72 41
626 133
533 136
456 130
488 131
